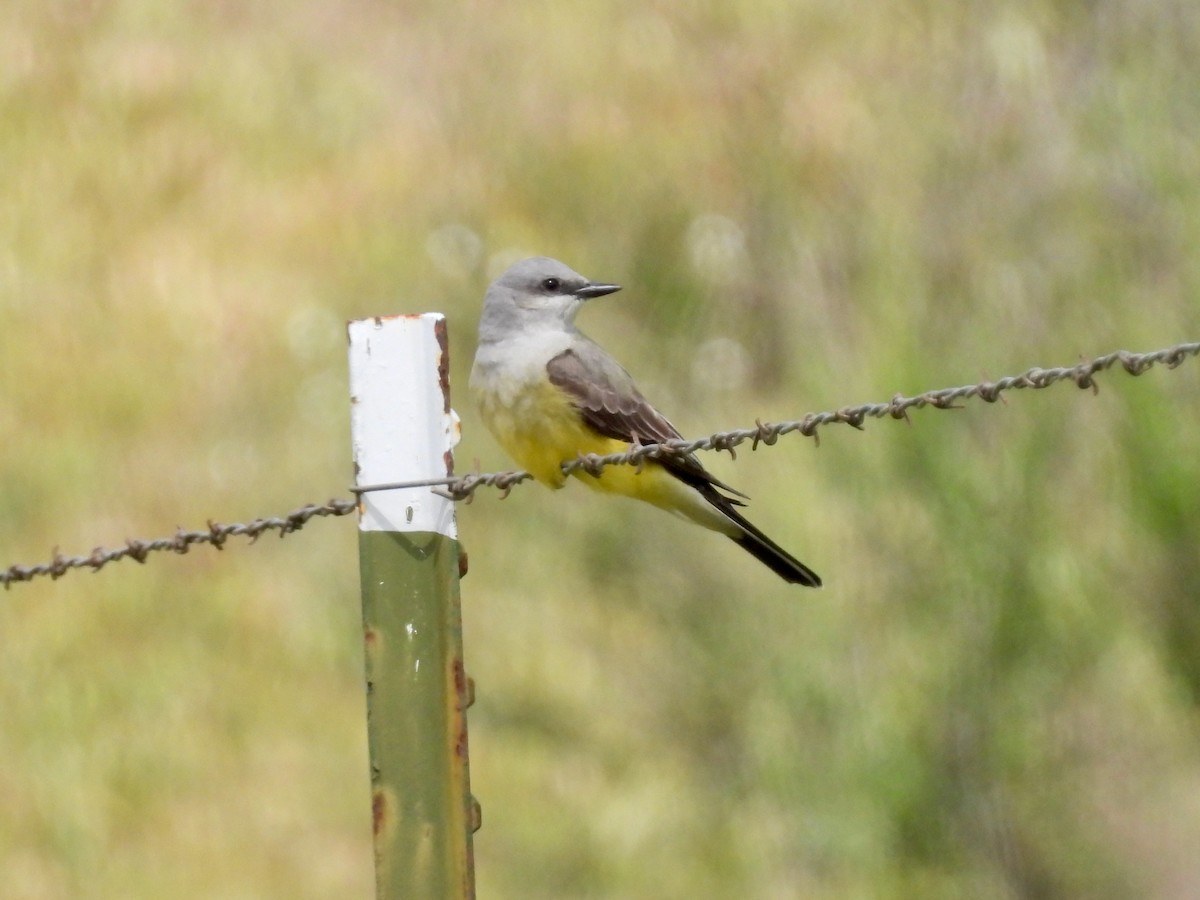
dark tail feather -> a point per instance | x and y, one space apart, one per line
771 554
753 541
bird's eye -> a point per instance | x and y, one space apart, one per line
551 284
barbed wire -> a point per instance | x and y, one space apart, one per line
464 487
1082 374
180 542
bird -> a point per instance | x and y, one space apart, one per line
548 393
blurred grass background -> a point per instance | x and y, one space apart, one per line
994 696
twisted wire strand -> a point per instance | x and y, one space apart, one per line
1082 375
464 487
180 542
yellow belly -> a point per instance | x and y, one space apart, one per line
540 428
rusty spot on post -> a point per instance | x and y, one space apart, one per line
463 689
462 563
439 330
460 682
378 812
460 745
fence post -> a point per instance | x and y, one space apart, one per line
417 692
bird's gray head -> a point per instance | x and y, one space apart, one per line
536 292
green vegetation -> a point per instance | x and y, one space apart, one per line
996 693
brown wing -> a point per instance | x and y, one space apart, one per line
612 406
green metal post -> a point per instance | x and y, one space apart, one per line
417 691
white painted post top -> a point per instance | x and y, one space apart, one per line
401 423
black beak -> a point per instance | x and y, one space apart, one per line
588 291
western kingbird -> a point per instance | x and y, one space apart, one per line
548 393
